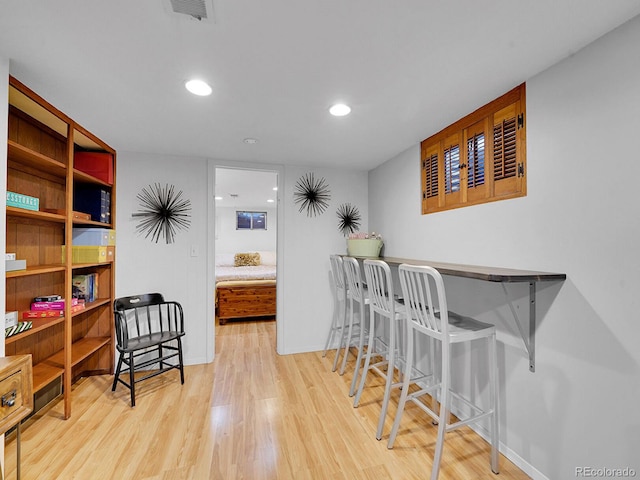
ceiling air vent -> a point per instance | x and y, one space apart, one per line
198 9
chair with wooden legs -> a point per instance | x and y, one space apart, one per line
339 294
385 316
427 316
357 322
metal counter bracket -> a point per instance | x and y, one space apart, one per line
530 338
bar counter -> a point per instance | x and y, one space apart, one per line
493 274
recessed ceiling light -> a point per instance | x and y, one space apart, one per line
218 198
340 110
198 87
250 141
270 200
275 189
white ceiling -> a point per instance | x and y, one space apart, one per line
249 189
407 68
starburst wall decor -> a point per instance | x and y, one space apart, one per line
312 195
163 212
349 219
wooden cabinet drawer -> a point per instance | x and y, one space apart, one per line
16 392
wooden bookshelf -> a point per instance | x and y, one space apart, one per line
41 144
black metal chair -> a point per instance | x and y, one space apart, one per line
149 331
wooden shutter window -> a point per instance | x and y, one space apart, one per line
508 152
478 159
504 149
430 169
432 178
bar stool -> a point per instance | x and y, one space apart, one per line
383 307
339 293
427 315
358 300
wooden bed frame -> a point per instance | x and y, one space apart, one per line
247 298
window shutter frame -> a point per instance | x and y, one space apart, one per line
511 107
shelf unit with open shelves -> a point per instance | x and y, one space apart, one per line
42 142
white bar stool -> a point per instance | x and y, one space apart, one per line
427 315
358 301
339 293
385 309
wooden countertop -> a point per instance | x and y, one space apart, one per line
489 274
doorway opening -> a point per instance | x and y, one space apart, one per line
246 231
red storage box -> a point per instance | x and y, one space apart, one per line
97 164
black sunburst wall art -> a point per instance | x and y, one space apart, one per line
312 194
349 219
163 212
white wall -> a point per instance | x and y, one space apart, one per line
304 298
145 266
579 408
230 240
307 244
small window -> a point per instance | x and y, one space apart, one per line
251 220
480 158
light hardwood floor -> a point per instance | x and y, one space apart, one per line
251 414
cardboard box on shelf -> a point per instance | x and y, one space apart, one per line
51 313
75 215
10 319
96 164
90 254
94 236
22 201
18 328
55 305
13 265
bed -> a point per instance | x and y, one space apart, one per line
245 285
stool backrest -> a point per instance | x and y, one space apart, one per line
354 279
337 271
424 299
380 287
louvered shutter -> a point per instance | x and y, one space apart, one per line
475 156
430 180
508 170
476 167
451 167
430 167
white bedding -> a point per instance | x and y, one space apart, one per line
260 272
